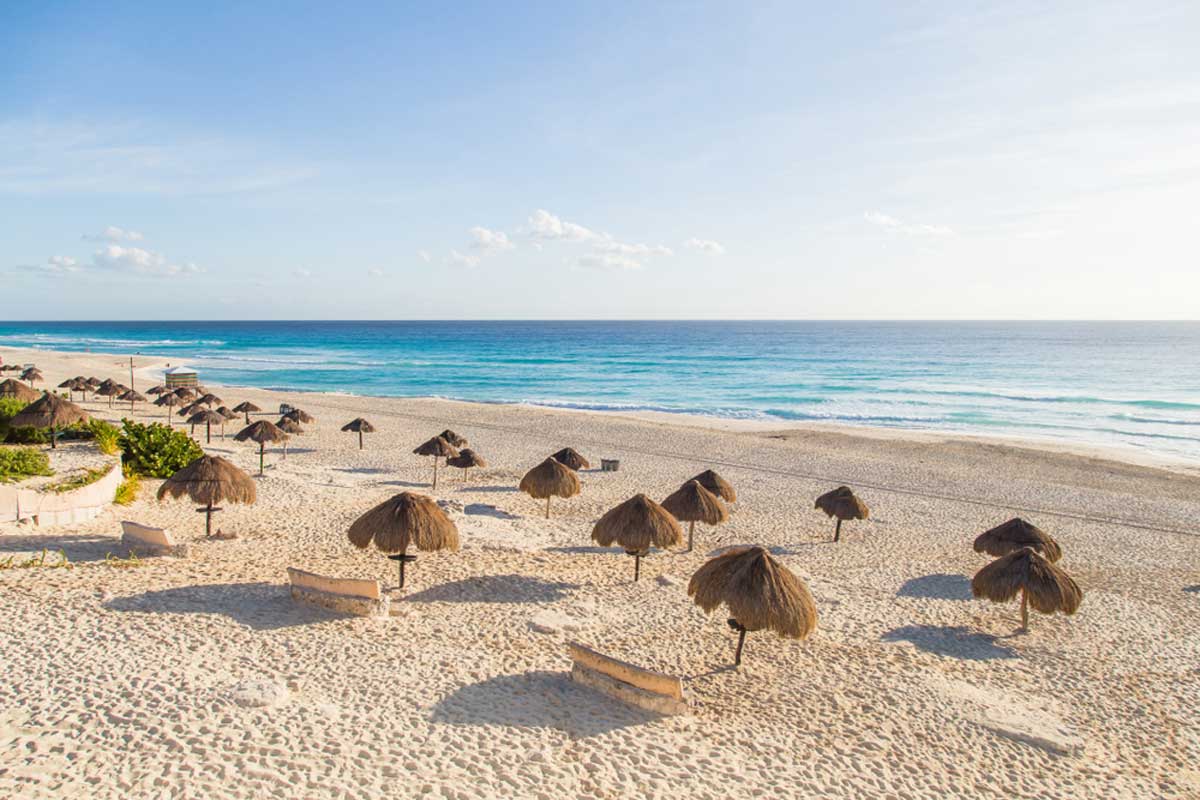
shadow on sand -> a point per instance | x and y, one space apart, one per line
1193 589
538 700
80 548
487 489
363 470
485 510
953 642
942 586
261 606
495 589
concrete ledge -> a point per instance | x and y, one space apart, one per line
147 541
47 509
644 688
356 596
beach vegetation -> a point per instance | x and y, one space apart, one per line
34 562
19 463
79 480
116 561
156 450
127 492
106 436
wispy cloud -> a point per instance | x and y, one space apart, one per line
113 234
375 272
55 265
424 256
490 241
607 252
890 223
463 260
705 246
544 225
139 261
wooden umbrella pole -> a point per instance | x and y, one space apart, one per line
360 439
637 566
837 532
53 439
691 530
737 656
547 506
208 520
262 446
1024 611
208 433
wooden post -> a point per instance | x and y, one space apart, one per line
208 433
1024 611
208 520
691 530
737 656
262 446
547 506
435 458
360 439
837 532
637 566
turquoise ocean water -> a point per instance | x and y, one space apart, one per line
1134 384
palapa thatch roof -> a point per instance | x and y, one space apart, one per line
156 389
246 407
67 384
31 374
437 446
405 521
184 392
761 593
109 388
717 485
14 388
132 396
205 417
289 425
93 383
299 415
210 480
453 438
261 432
209 399
227 413
49 411
550 478
169 399
693 503
637 525
570 458
466 459
843 504
1047 587
191 408
1015 534
358 425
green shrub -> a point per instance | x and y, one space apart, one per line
155 450
85 478
106 436
18 463
127 492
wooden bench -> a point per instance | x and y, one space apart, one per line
147 541
356 596
629 683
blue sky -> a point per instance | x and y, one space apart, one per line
790 160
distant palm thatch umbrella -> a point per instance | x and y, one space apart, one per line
32 375
110 389
69 385
49 411
359 426
247 408
168 400
184 393
210 480
207 419
453 438
93 383
300 415
1015 534
261 432
465 460
570 458
157 389
209 399
550 479
843 504
14 388
228 415
438 448
1041 584
692 503
132 397
637 525
717 485
290 427
403 521
760 593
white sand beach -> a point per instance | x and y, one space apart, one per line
201 677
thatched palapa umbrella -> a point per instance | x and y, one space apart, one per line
550 479
637 525
692 503
453 438
438 448
1015 534
359 426
843 504
207 419
300 415
110 389
184 393
760 593
465 460
403 521
247 408
209 399
14 388
210 480
717 485
69 385
570 458
49 411
156 390
261 432
168 400
1042 585
132 397
32 375
291 428
93 383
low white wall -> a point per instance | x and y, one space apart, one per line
50 508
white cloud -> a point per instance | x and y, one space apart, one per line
302 272
375 272
544 225
55 265
490 241
612 246
424 256
705 246
609 261
139 261
892 224
114 234
463 260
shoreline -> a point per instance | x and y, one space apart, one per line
782 429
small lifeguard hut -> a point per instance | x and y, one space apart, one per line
177 377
